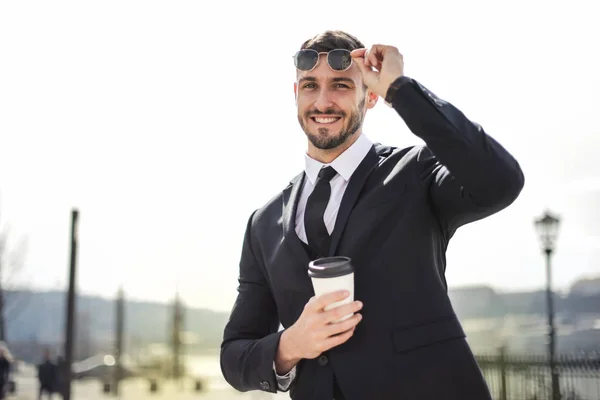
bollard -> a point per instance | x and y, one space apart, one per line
198 388
153 386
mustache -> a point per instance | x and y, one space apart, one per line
329 111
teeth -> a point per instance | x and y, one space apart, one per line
326 120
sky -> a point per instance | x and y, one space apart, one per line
167 123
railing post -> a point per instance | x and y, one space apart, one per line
502 365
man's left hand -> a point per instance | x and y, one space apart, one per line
380 66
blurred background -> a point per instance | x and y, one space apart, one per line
165 124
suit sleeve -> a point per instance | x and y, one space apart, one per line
469 175
250 338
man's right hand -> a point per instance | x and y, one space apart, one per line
314 333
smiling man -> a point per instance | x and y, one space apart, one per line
330 120
393 212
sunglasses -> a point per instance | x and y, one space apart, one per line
338 59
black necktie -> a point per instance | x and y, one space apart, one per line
316 231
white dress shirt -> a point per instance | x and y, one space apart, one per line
345 165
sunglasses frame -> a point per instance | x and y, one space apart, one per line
295 57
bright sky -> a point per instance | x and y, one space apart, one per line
167 123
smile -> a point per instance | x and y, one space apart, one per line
325 120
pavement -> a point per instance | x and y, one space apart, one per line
139 389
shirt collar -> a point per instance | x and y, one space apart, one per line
345 164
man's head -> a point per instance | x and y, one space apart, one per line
331 103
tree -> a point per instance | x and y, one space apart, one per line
12 260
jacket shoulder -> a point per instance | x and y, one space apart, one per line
274 207
416 153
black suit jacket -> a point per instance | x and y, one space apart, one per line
396 218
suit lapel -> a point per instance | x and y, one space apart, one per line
357 181
291 196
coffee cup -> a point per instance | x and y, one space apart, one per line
330 274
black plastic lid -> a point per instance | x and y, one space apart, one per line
330 267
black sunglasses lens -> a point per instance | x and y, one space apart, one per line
306 60
339 60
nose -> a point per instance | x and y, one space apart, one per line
324 101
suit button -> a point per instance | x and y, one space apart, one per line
323 360
264 385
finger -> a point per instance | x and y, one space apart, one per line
351 330
360 56
381 50
319 303
377 54
340 327
337 340
341 311
362 65
358 53
374 58
368 74
377 65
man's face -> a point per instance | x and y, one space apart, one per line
331 104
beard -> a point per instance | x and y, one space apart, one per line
322 139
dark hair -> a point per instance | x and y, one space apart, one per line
330 40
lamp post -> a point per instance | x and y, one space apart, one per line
120 314
547 228
71 299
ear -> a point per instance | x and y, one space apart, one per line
296 90
371 99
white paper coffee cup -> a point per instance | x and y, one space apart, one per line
330 274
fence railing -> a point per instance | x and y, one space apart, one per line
527 377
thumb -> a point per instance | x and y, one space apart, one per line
368 74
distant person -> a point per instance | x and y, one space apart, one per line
60 376
5 365
47 376
393 211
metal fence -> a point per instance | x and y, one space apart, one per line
527 377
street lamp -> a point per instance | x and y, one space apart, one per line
547 227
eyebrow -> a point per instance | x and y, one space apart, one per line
336 79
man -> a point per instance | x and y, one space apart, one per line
393 212
6 361
47 376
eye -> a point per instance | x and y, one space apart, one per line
309 86
341 86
